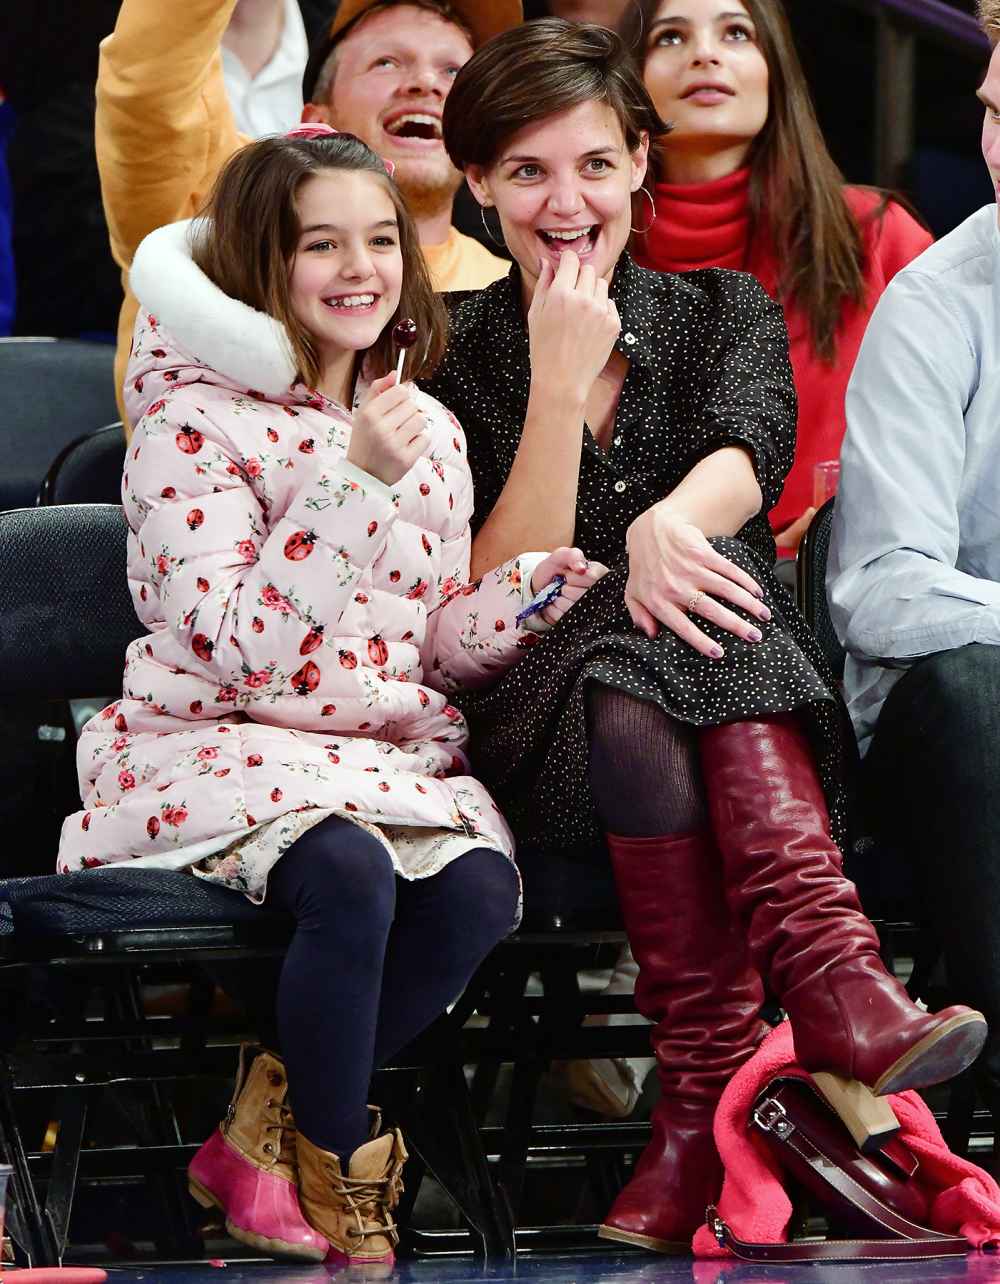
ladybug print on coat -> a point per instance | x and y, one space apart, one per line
300 545
202 647
306 680
189 440
312 640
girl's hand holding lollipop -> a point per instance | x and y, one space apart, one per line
389 432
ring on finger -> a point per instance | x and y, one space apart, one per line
693 604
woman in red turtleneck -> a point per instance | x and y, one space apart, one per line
749 184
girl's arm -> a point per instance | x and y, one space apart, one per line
472 633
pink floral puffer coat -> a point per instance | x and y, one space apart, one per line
305 624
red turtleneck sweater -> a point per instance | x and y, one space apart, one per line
703 225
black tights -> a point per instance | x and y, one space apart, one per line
644 769
373 961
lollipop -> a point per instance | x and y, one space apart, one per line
404 335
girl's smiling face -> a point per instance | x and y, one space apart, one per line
565 183
347 269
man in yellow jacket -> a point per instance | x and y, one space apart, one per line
381 70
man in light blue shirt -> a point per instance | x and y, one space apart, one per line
914 579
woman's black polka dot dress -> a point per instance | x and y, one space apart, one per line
708 367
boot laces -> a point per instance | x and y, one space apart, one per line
369 1199
284 1126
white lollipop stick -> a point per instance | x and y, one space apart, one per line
399 365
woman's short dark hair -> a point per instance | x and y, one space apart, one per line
534 71
252 231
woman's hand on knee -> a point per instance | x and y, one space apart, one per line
676 576
579 574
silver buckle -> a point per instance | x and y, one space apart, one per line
770 1116
716 1225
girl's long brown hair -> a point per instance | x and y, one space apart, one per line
252 229
797 204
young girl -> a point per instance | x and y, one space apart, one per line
299 555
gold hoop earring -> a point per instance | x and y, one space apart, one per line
489 231
649 197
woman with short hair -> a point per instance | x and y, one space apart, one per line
681 710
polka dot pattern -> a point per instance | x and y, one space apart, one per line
708 367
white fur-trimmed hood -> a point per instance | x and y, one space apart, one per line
249 346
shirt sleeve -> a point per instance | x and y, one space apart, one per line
163 123
747 396
895 590
163 126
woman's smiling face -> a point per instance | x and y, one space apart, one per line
707 75
564 183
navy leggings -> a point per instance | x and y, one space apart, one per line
374 959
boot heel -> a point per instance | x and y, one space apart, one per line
869 1119
200 1195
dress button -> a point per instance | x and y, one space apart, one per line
619 486
629 337
616 441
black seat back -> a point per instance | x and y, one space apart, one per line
810 588
66 615
51 390
88 470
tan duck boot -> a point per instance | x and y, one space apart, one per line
354 1211
248 1167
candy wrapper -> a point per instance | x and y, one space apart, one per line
541 600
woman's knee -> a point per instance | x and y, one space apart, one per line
616 722
628 735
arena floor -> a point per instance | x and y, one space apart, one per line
589 1269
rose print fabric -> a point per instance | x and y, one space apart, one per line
305 625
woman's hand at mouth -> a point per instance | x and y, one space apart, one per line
572 324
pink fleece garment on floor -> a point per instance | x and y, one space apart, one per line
964 1200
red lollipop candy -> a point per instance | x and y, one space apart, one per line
404 335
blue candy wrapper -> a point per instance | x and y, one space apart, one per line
541 600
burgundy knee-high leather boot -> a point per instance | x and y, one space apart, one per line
855 1028
696 986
